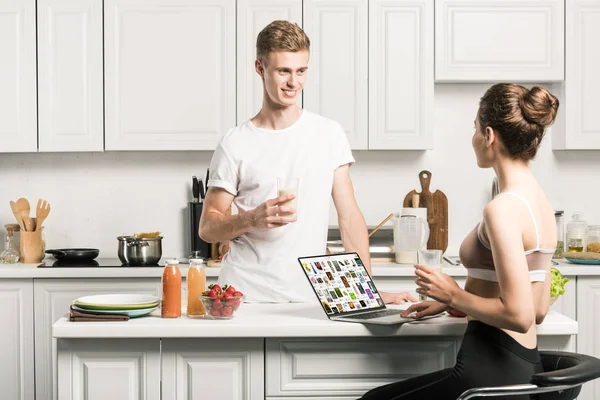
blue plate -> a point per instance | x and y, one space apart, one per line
129 313
586 262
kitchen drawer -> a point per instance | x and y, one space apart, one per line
340 367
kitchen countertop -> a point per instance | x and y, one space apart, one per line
279 320
380 269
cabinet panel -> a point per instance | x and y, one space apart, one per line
401 74
170 73
473 44
17 377
70 64
336 85
346 366
588 318
125 369
252 17
579 127
213 369
52 300
18 102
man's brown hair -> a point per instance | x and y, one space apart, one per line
280 36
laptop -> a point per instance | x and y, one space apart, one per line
346 291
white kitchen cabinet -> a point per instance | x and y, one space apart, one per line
499 40
52 300
17 378
169 73
588 317
578 126
252 17
231 369
18 114
324 367
70 77
336 85
401 74
124 369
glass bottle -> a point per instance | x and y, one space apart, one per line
171 290
10 255
560 234
196 284
593 238
576 233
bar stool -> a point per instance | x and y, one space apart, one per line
564 374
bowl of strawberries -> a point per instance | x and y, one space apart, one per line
221 303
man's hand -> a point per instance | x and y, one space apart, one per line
424 309
396 298
273 213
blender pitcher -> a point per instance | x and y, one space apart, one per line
410 234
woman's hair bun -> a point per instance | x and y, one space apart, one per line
539 106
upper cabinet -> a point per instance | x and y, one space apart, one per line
336 83
18 114
578 126
70 103
252 17
499 40
401 74
169 73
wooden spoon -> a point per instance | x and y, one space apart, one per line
15 211
381 224
41 212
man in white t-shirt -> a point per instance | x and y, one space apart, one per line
281 141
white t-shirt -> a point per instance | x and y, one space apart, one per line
247 162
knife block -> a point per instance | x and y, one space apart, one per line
196 244
31 247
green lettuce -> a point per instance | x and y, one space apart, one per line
557 283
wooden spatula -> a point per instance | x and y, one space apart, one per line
15 211
41 212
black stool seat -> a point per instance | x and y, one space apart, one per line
563 375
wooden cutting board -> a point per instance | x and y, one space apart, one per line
437 211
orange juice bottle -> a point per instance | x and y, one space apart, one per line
196 284
171 290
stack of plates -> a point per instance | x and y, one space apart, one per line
132 305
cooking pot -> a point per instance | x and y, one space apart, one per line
139 251
70 255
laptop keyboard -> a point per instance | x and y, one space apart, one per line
382 313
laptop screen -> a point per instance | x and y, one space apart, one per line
341 283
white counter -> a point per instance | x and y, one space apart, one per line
379 270
278 320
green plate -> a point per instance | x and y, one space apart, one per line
117 301
584 262
129 313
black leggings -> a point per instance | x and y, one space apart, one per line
488 357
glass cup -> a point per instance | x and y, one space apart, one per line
286 186
432 259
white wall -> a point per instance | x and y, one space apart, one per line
96 197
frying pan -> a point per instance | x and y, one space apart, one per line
74 254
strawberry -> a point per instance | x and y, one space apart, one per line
238 294
227 311
230 290
215 313
212 293
227 295
215 286
217 304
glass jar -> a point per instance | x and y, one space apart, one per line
577 233
560 234
10 254
593 238
196 284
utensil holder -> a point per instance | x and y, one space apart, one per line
197 244
31 247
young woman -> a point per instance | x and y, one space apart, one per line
507 255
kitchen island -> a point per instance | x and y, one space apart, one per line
267 351
35 298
